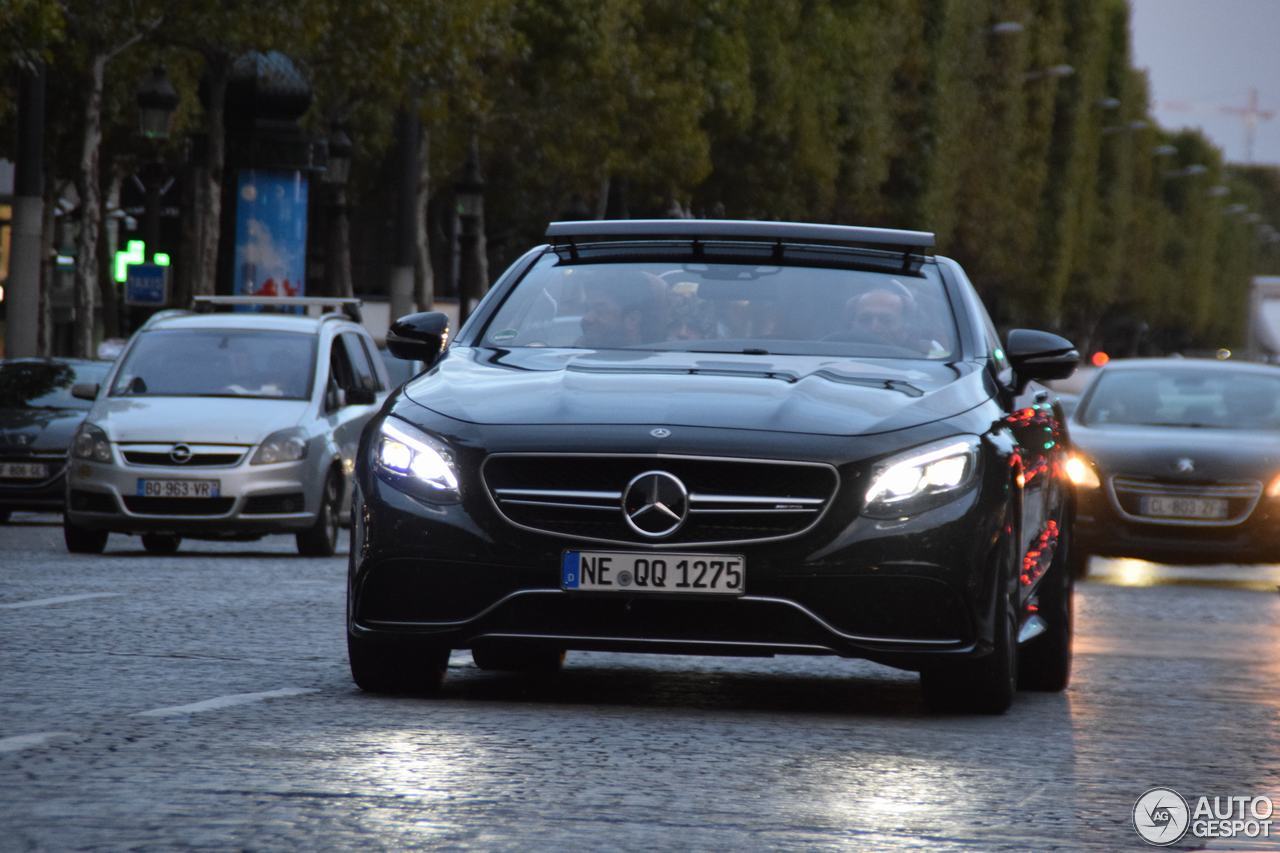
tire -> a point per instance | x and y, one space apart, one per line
1044 663
1078 563
396 667
321 538
161 543
516 658
82 540
984 685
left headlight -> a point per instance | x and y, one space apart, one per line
286 445
407 454
922 478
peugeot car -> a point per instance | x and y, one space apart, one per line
1178 460
38 417
226 425
728 438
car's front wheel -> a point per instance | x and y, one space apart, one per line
380 666
984 685
321 538
161 543
505 657
82 540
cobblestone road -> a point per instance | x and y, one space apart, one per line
203 700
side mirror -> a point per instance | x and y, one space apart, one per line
361 397
1040 355
421 337
85 390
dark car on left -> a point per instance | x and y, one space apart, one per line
38 418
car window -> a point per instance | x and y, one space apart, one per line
46 384
358 357
729 307
341 374
217 363
1184 396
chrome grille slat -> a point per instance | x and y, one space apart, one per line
202 455
578 496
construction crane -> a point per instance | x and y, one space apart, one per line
1250 115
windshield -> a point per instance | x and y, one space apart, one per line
46 384
1184 397
699 307
218 363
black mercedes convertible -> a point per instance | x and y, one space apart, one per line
727 438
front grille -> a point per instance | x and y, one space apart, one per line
1127 494
202 456
274 504
82 501
729 500
178 506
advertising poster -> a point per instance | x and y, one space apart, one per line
271 233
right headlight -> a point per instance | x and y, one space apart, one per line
91 442
1080 472
922 478
405 454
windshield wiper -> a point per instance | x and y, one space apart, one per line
743 351
1186 424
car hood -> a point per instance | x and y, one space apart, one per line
38 429
1215 454
205 420
802 394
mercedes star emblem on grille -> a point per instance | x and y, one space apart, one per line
660 432
181 454
1186 466
655 504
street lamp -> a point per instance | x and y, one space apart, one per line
1063 70
1188 171
1007 28
469 196
339 166
1163 151
1108 103
157 101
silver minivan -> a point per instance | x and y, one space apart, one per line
226 425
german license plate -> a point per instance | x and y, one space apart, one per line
23 471
1165 507
621 571
177 488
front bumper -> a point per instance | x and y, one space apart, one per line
901 593
1101 530
252 499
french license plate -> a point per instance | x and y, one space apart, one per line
23 471
177 488
621 571
1208 508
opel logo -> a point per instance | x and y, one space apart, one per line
655 504
181 454
660 432
1186 466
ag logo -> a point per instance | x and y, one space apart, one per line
1161 816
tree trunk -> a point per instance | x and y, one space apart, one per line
45 335
340 249
86 275
204 276
424 279
107 244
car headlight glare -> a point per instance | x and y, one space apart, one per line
286 445
922 478
408 454
1080 472
92 443
1273 488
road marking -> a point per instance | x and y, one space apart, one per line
225 702
13 744
61 599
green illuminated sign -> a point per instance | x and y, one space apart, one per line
135 252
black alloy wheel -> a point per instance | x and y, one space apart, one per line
82 540
321 538
161 543
984 685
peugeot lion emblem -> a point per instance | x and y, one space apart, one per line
1186 466
655 504
181 454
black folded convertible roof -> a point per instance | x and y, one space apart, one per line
573 234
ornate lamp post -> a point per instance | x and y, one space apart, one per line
157 101
469 194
